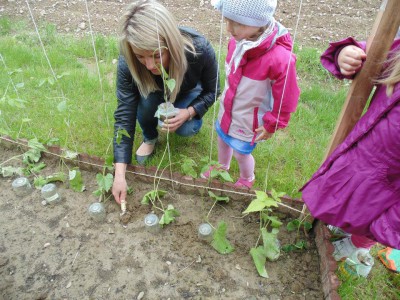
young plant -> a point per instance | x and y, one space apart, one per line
216 170
105 180
297 224
188 166
270 249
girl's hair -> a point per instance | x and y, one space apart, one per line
148 25
391 75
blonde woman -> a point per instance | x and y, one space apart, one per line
358 187
150 38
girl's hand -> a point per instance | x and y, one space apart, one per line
174 123
350 60
264 134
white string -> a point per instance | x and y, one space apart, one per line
11 80
40 40
152 176
216 87
97 64
274 138
51 68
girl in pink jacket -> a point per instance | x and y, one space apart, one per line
261 88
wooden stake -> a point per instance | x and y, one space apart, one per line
360 90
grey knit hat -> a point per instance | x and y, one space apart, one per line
256 13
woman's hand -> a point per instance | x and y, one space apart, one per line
264 134
350 60
119 188
174 123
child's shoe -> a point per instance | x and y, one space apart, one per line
243 183
343 248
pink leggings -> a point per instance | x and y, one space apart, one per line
246 161
361 241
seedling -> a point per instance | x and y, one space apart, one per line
297 224
270 249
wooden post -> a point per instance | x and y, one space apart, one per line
387 24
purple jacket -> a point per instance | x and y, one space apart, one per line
358 187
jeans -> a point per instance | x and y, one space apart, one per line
148 107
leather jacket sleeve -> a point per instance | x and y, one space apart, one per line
125 115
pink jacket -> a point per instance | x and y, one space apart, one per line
263 90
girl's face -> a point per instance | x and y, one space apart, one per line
242 32
152 59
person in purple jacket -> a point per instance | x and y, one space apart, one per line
357 188
261 89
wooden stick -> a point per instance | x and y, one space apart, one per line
360 90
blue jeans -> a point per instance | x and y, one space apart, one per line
148 107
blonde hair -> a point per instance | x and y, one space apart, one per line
391 75
148 25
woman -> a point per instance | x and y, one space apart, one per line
151 41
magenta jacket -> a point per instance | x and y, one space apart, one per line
263 84
358 187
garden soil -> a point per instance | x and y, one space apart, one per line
59 252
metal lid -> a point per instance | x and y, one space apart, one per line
21 181
48 187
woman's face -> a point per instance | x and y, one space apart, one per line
152 59
242 32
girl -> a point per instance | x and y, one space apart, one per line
358 187
150 38
261 88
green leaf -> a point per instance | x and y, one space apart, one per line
187 167
39 182
16 102
218 198
58 176
152 196
225 176
8 171
62 106
31 156
69 154
169 215
288 248
35 144
275 222
109 163
119 134
52 141
220 242
259 259
19 85
170 83
293 225
307 225
271 244
75 180
104 182
277 195
260 203
36 168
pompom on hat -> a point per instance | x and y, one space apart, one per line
256 13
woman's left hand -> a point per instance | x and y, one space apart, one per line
174 123
264 134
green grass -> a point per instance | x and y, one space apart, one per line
78 110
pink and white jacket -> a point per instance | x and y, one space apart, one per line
261 88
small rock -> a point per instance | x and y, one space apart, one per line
82 25
198 260
238 267
46 245
44 202
68 285
168 262
140 296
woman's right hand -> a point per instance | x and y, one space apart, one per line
350 60
119 188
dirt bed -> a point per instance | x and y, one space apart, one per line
59 252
